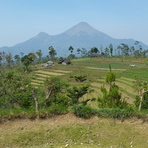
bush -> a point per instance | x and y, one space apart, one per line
83 111
58 109
116 113
62 100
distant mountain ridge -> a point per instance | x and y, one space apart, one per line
81 35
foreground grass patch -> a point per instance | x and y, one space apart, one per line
69 131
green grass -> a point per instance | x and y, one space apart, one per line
69 131
131 73
103 63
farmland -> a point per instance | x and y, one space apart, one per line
70 131
96 69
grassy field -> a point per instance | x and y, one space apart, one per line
72 132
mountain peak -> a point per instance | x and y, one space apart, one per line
83 24
42 35
80 28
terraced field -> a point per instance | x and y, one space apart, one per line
125 84
42 74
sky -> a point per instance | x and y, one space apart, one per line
21 20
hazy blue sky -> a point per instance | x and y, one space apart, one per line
22 19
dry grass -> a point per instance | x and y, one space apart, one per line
62 71
49 73
70 131
42 75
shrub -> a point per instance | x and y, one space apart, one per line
111 98
58 109
62 100
116 113
83 111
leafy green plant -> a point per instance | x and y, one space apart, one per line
80 78
111 98
83 111
62 100
116 113
110 77
53 86
76 92
58 109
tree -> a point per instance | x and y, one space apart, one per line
143 54
139 52
32 56
76 93
111 49
5 59
9 59
2 62
84 52
17 59
71 49
52 87
39 53
144 100
106 51
80 78
142 88
111 98
78 51
14 89
110 77
101 49
22 54
132 50
94 50
35 100
52 52
124 48
136 43
27 60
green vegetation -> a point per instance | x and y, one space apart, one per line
98 87
62 85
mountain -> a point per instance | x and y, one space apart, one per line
81 35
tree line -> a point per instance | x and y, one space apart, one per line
122 50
